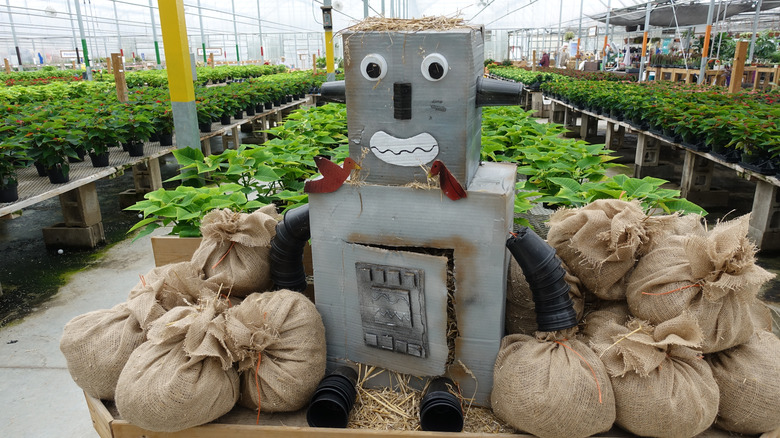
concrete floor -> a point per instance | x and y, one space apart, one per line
38 396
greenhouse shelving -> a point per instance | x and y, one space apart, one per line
764 228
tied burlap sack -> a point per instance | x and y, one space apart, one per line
235 248
714 276
173 285
520 314
552 385
96 345
278 340
182 376
662 385
600 243
610 312
748 376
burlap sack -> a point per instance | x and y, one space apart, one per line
600 243
235 247
552 385
615 312
520 315
748 376
713 276
182 376
662 386
278 340
175 284
96 345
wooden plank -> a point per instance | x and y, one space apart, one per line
123 429
173 249
119 77
101 418
738 66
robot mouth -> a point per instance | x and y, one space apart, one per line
407 152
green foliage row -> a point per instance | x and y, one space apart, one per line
706 116
52 123
251 176
559 171
528 76
566 172
44 76
204 75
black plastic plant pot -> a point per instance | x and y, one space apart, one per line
296 222
550 293
224 119
81 154
99 160
250 110
333 399
530 250
136 149
204 127
547 275
40 168
440 410
554 321
167 139
268 105
259 108
239 115
9 193
57 175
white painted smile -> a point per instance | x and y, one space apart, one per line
408 152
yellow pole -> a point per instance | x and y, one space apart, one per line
179 65
327 24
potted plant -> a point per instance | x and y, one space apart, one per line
102 132
136 127
182 209
13 156
163 122
207 111
50 144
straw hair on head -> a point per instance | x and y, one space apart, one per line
382 24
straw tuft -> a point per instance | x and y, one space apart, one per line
381 24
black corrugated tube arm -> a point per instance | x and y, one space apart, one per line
334 91
545 276
286 254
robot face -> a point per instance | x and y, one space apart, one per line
411 99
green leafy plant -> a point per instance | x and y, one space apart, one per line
13 156
184 207
647 191
51 142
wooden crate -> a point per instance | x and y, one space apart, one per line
173 249
240 423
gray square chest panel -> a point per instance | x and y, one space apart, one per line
411 98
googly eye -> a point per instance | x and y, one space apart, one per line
434 67
373 67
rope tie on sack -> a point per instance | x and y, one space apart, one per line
598 386
224 255
673 290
